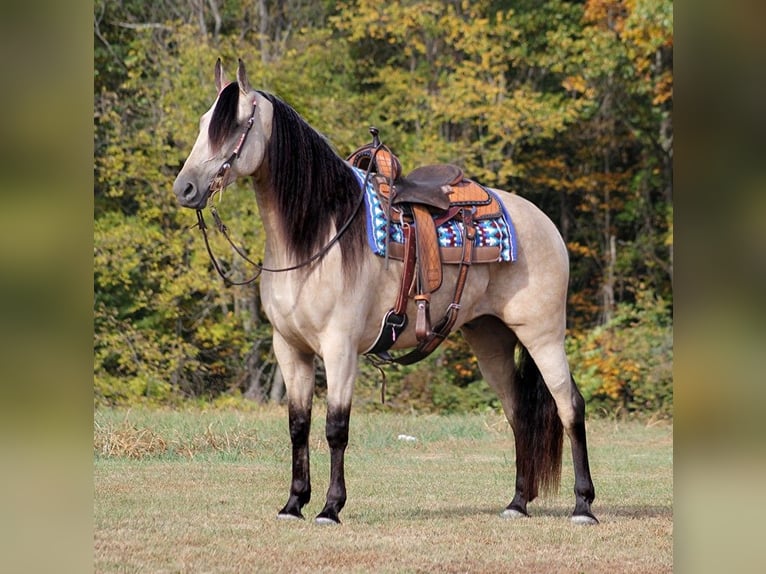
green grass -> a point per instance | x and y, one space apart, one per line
198 491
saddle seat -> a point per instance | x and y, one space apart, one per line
428 185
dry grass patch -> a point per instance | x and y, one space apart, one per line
146 434
127 441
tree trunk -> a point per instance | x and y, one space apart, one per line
564 216
610 247
216 17
255 390
277 386
263 30
607 289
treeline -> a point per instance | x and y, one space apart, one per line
566 103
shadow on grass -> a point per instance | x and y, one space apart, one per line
603 511
636 511
607 512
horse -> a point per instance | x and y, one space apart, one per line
324 292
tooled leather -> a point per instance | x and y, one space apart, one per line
429 258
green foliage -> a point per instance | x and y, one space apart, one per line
568 103
625 366
452 82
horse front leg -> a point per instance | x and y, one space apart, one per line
341 371
298 372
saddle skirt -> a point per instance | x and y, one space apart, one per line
495 238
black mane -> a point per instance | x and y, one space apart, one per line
313 188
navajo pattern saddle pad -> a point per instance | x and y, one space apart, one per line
489 232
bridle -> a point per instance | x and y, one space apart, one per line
217 186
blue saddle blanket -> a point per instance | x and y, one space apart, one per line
489 232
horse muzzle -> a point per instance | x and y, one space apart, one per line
189 194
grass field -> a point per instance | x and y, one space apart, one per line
198 491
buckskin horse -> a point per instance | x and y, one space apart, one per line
325 291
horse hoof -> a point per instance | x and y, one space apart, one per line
286 516
586 519
325 521
512 514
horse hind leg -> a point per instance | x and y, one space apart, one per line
533 417
550 366
584 490
538 412
539 437
298 372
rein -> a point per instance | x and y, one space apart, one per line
221 226
217 186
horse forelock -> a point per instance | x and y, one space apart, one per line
224 119
314 188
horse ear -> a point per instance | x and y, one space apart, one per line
244 83
220 76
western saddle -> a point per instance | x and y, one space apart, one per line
420 202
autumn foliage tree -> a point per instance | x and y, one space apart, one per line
567 103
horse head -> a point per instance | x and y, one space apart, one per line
232 140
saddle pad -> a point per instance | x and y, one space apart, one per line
493 232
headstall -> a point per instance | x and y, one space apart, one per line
217 186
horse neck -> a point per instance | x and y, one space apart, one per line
304 203
275 253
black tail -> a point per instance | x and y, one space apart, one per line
538 430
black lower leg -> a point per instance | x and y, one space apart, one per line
300 487
584 490
337 439
518 505
523 493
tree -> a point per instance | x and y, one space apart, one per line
611 172
566 102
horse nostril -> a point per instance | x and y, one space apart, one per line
185 191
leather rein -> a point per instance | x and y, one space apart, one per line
217 186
